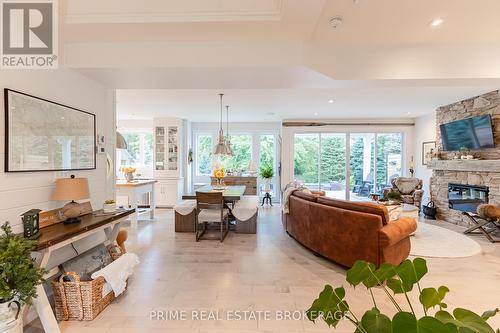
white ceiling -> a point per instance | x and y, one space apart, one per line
283 57
357 99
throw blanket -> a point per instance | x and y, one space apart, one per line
117 272
245 210
289 189
186 207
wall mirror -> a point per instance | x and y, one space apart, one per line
41 135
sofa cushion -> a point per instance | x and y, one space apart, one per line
364 207
306 195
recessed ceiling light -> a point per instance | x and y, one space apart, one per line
315 113
408 113
270 113
437 22
330 101
336 21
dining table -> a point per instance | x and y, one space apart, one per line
230 193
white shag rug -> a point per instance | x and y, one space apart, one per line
433 241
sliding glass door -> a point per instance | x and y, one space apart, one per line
362 165
389 158
306 160
332 173
373 160
319 162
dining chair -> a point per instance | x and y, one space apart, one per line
210 209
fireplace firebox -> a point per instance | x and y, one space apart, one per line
466 198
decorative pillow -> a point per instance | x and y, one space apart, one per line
88 262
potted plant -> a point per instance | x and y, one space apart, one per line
331 306
267 173
394 196
109 206
19 277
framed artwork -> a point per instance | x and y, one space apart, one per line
428 148
41 135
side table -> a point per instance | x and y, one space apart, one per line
267 199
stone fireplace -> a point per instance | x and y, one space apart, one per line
479 174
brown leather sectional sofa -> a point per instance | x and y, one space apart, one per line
345 231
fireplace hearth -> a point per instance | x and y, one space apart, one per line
466 198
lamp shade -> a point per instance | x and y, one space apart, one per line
71 189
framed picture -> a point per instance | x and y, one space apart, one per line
41 135
428 148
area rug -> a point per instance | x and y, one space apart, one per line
437 242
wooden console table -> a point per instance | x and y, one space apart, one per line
59 235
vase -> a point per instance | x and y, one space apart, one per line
129 176
10 321
219 183
267 185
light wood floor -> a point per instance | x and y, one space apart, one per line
268 272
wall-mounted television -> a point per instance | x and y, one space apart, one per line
470 133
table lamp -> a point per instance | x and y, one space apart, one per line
71 189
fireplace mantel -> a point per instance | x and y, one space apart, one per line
465 165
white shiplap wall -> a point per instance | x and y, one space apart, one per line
20 192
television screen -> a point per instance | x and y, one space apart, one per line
470 133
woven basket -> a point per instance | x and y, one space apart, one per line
82 300
79 300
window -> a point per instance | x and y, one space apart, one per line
242 150
267 155
139 150
204 147
389 158
267 150
306 166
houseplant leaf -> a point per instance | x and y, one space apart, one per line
411 272
397 286
488 314
430 297
404 322
359 272
472 321
432 325
375 322
330 305
380 276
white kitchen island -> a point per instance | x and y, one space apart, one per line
134 190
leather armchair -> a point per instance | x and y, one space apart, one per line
409 188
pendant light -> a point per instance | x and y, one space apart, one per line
228 139
221 148
121 143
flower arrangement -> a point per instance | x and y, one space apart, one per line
128 172
128 169
219 173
